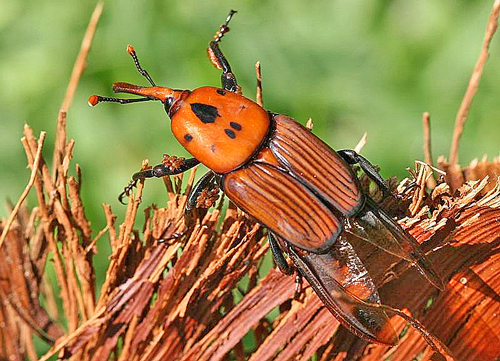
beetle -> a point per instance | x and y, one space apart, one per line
277 171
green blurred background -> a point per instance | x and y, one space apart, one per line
353 66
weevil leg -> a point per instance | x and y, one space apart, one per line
277 253
412 185
351 157
204 183
179 166
298 285
228 79
283 264
384 232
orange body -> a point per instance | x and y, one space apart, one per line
289 180
219 128
270 166
291 184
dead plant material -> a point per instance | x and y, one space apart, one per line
477 169
473 85
183 298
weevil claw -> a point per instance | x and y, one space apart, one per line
127 190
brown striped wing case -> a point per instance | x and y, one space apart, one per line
315 164
328 262
284 205
312 161
298 189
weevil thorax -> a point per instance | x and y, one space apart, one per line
219 128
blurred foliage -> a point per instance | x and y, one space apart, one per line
353 66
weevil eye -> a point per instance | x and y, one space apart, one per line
168 104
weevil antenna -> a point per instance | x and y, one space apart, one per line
224 28
144 73
96 99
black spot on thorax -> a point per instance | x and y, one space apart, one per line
206 113
230 133
221 92
188 137
235 126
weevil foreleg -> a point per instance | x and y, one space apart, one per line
205 192
228 79
202 192
169 166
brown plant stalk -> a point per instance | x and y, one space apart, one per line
473 85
